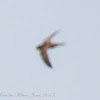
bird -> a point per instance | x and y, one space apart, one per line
47 44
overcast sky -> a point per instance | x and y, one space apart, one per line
24 24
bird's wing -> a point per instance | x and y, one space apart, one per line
45 57
52 35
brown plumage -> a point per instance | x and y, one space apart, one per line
45 46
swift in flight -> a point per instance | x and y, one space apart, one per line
45 46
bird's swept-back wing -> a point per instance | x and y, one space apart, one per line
45 57
52 35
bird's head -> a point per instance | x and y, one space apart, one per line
38 48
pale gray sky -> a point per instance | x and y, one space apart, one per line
24 24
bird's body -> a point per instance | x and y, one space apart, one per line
45 46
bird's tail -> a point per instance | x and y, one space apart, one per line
57 44
62 44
